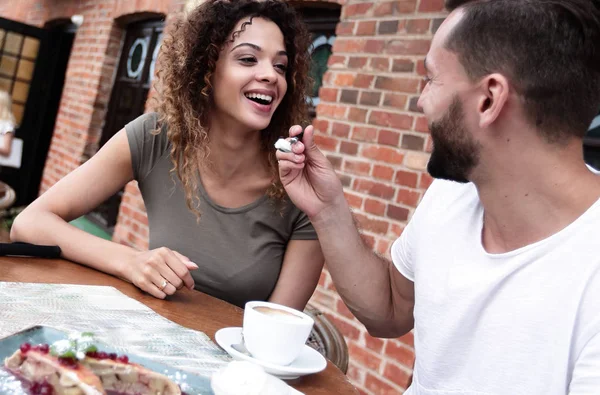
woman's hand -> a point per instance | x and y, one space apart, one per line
160 272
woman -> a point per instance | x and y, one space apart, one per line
7 123
232 78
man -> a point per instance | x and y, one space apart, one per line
499 268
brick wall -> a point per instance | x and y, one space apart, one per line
367 123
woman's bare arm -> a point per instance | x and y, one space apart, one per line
299 275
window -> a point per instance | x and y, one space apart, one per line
321 19
18 54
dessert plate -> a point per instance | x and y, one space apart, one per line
11 385
308 362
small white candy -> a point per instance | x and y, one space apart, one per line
283 145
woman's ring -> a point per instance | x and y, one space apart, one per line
164 284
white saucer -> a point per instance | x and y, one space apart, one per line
308 362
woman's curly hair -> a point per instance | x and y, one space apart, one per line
185 69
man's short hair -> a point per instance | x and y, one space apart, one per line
548 49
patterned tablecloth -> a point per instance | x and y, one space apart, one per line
115 319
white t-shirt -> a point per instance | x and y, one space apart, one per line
523 322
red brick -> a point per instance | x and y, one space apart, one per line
326 110
374 344
412 142
370 98
356 167
326 143
383 154
353 200
383 247
405 6
397 213
340 130
346 44
409 338
379 387
431 6
422 125
397 375
374 207
357 62
349 96
418 26
357 114
345 28
321 125
390 119
399 84
406 178
380 64
366 28
408 197
348 148
384 9
350 331
397 232
364 133
395 100
363 80
372 225
328 94
355 373
322 298
388 27
389 137
403 66
336 61
408 47
355 10
376 189
375 46
364 357
421 67
383 173
400 353
345 79
426 181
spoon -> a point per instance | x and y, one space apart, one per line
241 348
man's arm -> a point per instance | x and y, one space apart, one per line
376 293
372 288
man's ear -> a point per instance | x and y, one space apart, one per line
494 90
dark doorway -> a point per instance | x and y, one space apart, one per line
33 63
128 98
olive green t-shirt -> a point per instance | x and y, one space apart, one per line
239 250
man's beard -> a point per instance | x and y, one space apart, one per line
455 153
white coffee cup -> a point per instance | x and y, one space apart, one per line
275 333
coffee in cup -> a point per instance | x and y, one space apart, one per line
275 333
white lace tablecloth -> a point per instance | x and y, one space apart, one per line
116 319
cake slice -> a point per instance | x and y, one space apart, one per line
49 374
119 375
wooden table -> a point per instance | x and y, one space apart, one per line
191 309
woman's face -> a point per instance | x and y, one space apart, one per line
249 79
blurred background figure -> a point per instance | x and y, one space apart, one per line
7 130
7 123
